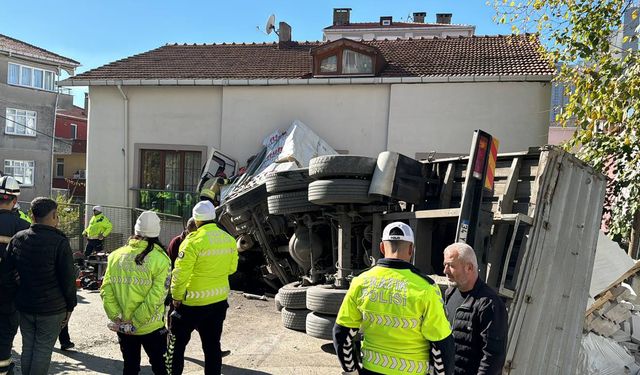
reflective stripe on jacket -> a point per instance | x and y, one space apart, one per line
133 292
400 313
205 260
98 225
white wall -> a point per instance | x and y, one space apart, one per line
441 116
235 119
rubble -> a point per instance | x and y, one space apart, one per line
612 320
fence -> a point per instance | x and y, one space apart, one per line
75 217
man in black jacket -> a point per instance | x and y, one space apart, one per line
47 293
10 224
477 315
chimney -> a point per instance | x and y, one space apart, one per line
341 16
418 17
386 20
86 103
444 18
284 33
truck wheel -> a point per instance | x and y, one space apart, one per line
345 191
341 166
297 179
290 203
295 319
248 199
325 299
293 296
320 325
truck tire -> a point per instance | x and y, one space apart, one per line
293 296
325 299
320 326
297 179
295 319
247 200
339 191
342 166
290 203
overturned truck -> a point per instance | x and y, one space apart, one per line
532 218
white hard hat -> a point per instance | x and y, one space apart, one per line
9 185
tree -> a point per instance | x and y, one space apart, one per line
603 87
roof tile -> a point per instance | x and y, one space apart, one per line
494 55
19 47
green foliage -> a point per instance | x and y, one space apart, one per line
69 215
604 103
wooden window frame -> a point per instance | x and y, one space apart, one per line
163 159
338 50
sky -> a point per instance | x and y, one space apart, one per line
96 33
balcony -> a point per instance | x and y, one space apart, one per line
74 186
171 202
65 146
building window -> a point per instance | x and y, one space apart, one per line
20 122
59 167
74 131
21 170
170 170
329 64
23 75
356 63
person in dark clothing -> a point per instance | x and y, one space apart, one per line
46 293
477 314
174 245
10 224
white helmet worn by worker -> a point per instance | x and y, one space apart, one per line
9 186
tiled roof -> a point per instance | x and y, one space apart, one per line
463 56
18 47
394 25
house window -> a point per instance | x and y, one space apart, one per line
23 75
59 167
20 122
14 74
74 131
356 63
21 170
170 170
329 64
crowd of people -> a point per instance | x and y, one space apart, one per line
155 297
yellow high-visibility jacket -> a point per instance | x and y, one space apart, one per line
99 225
205 260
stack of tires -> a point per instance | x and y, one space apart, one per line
323 302
288 192
340 179
291 300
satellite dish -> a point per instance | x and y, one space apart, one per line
271 24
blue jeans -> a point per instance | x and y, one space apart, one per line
39 334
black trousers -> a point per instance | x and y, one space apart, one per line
8 328
208 321
154 344
93 246
64 337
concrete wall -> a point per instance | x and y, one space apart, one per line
38 148
72 164
441 116
361 119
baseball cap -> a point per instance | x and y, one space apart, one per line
397 231
97 208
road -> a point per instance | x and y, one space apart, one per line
252 331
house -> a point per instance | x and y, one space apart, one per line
387 28
155 116
28 97
70 149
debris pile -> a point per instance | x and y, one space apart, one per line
612 319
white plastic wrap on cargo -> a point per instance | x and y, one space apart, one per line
603 356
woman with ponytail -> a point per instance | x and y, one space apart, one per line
133 292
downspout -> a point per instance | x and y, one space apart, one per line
53 144
125 148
